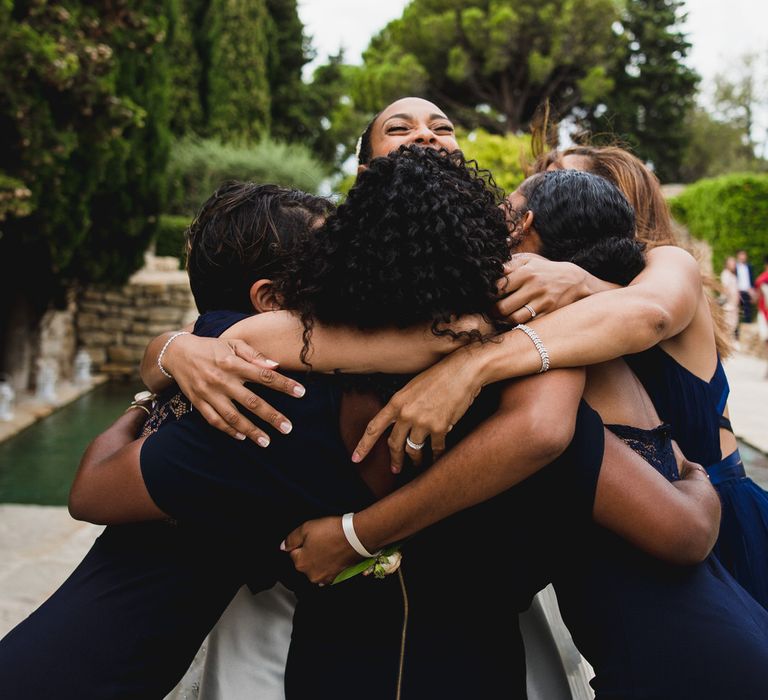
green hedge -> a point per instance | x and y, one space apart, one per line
198 167
170 235
729 212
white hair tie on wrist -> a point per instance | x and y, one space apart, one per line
354 541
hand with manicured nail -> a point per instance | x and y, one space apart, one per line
212 373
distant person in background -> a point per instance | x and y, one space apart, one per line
761 286
746 290
730 298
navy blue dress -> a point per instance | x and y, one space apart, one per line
128 621
654 631
694 409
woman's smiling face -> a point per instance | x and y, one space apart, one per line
412 121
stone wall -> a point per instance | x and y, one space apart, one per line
115 324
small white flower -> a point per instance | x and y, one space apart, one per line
385 564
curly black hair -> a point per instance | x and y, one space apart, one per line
419 239
585 219
245 232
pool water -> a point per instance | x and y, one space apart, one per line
38 465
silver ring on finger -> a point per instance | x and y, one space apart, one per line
530 310
414 445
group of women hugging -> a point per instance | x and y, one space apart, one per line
516 389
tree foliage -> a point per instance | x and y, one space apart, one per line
186 66
653 89
715 147
729 212
508 55
289 51
238 99
505 156
740 95
83 118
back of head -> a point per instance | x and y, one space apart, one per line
245 232
585 219
419 238
638 184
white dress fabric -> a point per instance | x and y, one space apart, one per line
243 657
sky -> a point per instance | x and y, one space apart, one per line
719 31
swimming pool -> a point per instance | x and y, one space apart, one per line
38 465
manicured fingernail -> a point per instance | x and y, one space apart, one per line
355 456
395 470
239 436
282 546
263 441
285 427
321 584
299 391
271 363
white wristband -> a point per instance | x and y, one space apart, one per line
354 541
162 352
534 336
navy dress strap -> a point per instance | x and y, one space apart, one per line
725 424
719 388
731 467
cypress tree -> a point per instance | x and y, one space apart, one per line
185 70
238 100
653 89
289 51
83 126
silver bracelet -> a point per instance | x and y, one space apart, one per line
162 352
534 336
354 541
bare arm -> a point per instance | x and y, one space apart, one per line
211 371
677 522
149 370
488 461
544 286
658 304
108 487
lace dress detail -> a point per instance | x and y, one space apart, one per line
170 407
654 446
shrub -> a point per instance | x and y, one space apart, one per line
14 198
198 167
729 212
170 235
504 156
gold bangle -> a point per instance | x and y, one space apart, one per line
138 405
141 400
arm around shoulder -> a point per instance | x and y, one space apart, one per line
108 487
677 522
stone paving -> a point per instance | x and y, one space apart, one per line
40 545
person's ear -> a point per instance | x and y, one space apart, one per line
526 225
361 168
263 297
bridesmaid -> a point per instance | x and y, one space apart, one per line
688 394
